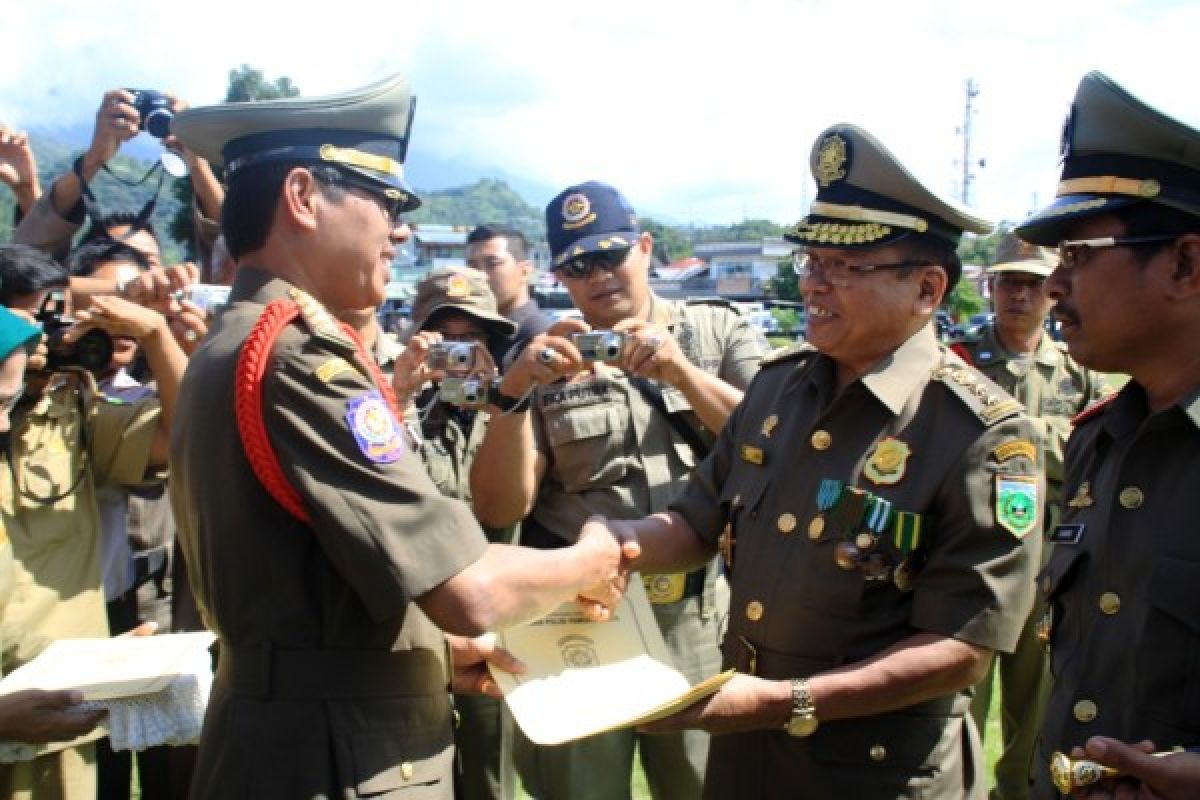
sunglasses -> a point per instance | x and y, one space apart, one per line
1073 252
393 201
582 266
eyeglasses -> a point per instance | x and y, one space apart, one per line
393 201
837 272
1016 281
1073 252
9 404
582 266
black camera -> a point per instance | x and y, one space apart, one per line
93 351
155 110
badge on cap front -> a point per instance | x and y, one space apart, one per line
457 286
577 211
831 160
375 429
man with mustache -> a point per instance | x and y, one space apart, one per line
1123 619
1016 352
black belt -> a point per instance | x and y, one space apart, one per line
271 673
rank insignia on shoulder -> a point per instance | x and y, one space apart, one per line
332 368
1020 447
1017 504
1067 533
752 454
886 465
375 429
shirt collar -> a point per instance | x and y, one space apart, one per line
905 370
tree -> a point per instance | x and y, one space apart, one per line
965 301
670 243
786 283
246 84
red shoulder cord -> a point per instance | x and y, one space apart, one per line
962 352
1092 410
248 408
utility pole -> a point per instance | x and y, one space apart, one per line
972 91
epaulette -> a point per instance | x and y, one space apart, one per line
1093 410
792 352
985 399
322 324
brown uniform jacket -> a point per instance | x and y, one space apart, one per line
794 612
331 681
1124 581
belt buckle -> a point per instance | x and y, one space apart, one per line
663 589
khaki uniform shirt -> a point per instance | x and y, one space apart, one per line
1122 583
1051 385
65 446
609 451
955 447
331 681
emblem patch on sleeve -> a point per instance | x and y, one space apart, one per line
1017 504
375 429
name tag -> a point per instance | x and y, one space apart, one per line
1067 533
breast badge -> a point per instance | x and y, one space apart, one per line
375 429
886 465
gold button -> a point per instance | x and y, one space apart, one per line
406 771
1110 603
737 500
1131 497
816 527
821 440
1085 711
878 753
786 523
754 611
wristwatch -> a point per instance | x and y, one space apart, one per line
803 720
509 405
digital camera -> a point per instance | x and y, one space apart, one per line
465 392
154 108
451 356
93 351
599 345
208 296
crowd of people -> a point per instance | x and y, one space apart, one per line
872 527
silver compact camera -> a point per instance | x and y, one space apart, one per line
451 356
465 392
599 345
208 296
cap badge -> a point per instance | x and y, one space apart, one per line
458 286
577 211
831 159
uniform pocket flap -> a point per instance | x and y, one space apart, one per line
899 740
419 762
1059 571
1173 590
578 424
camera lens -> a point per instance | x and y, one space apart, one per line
158 123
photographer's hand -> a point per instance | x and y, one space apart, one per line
189 324
117 121
157 287
18 167
410 372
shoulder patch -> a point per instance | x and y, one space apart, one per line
793 352
377 432
977 392
1094 410
319 321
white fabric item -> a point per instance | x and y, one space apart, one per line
172 716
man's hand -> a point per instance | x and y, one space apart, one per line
157 287
470 658
410 371
745 703
548 357
1143 776
118 317
188 324
614 541
117 121
651 352
18 167
37 716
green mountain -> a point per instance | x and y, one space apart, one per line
488 200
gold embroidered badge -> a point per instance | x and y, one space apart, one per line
887 464
831 159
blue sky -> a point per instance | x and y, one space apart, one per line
701 111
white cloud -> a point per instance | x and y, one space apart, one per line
703 110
